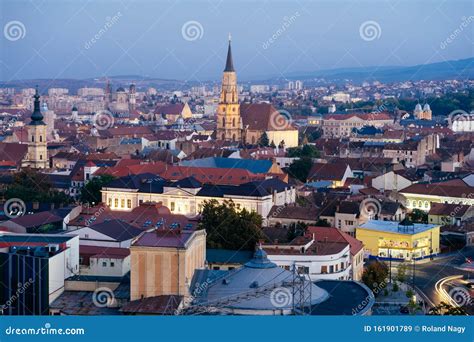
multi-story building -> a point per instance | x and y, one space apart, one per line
398 240
319 259
33 268
420 196
187 196
341 125
163 261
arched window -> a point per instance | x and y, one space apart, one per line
32 138
223 122
233 137
223 136
41 138
233 122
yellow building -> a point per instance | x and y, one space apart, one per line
387 239
163 262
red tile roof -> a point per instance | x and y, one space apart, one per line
331 234
264 117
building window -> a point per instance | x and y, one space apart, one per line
32 138
104 264
172 206
110 202
116 203
324 269
41 138
112 264
122 203
331 269
129 203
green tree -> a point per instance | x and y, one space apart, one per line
375 275
419 216
230 228
401 272
263 141
300 168
32 186
323 223
295 230
90 193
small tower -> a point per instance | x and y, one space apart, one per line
37 147
426 115
74 114
108 94
229 121
132 97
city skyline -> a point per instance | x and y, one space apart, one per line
186 41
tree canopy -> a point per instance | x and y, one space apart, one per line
90 193
32 186
227 227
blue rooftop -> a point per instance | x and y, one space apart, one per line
255 166
396 228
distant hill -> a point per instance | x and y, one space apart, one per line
458 69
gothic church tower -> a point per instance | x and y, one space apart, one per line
229 122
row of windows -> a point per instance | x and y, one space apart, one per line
116 203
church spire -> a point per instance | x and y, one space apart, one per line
36 117
229 65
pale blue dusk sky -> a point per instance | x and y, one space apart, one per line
137 37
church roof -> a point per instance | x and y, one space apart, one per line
229 64
264 117
37 117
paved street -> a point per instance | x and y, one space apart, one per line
427 275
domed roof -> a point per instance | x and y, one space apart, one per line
260 285
418 108
36 116
426 107
120 90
